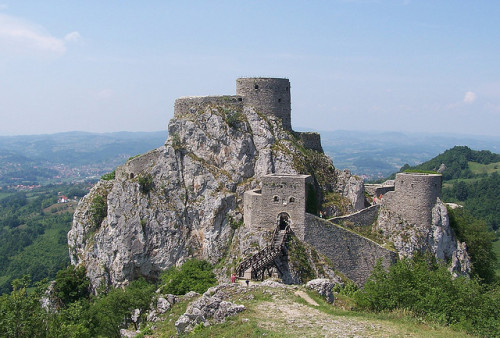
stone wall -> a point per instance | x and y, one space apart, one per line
311 140
270 96
378 189
363 217
191 104
351 254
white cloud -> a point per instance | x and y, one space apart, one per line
72 37
20 36
470 97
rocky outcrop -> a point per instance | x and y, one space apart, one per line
436 237
323 287
210 307
352 187
185 199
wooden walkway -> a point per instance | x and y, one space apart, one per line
263 261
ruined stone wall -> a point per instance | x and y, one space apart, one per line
269 96
414 196
189 105
378 189
311 140
351 254
363 217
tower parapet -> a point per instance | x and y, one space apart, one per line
270 96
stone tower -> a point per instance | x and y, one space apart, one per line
280 202
270 96
414 196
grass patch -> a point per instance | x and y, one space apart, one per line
478 168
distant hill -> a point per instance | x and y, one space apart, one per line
375 155
68 157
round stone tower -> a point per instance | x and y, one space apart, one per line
416 195
270 96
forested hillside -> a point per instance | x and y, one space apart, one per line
33 229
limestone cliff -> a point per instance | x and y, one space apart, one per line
185 199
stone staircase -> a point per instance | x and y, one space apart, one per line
255 266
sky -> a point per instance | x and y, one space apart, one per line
389 65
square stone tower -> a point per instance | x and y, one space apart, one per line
280 202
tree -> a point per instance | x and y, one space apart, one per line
71 284
193 275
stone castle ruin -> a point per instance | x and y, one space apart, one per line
235 160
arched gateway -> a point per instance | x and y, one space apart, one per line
283 220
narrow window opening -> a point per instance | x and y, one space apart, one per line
276 199
279 100
240 99
256 86
292 199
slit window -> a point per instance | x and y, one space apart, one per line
291 199
256 86
276 199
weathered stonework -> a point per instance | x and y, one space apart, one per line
282 198
269 96
351 254
414 196
363 217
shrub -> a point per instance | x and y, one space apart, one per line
193 275
109 176
145 183
71 284
98 210
428 291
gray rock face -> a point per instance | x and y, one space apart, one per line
323 287
204 309
178 201
352 188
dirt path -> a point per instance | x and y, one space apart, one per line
306 297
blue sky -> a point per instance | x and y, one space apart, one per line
395 65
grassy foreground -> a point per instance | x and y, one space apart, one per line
283 312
